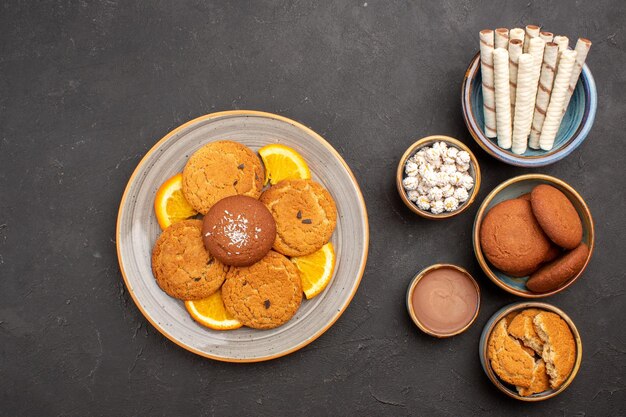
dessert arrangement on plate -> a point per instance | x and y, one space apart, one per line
262 242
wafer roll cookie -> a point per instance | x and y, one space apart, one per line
546 36
582 48
503 99
557 99
515 50
562 41
501 38
523 104
486 69
517 33
536 48
548 69
532 31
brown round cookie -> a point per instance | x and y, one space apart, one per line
511 238
182 266
551 276
305 215
557 216
264 295
238 230
221 169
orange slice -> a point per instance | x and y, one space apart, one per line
170 205
210 312
283 163
316 270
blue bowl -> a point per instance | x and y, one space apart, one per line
574 128
514 188
483 345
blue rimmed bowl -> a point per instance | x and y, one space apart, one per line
574 129
514 188
486 363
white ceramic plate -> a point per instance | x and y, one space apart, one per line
137 230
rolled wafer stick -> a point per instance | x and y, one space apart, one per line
536 48
515 50
582 48
486 69
562 41
501 38
517 33
554 115
548 69
532 31
523 104
503 99
546 36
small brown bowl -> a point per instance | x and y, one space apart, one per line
409 304
486 363
474 171
514 188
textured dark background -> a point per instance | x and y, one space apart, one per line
86 88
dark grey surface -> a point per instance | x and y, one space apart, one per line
87 88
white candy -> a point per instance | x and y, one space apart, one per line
442 179
467 182
410 183
413 195
450 204
463 158
411 169
433 157
452 152
461 194
424 169
449 168
423 203
463 168
431 179
435 194
419 159
456 178
448 190
422 188
441 147
437 207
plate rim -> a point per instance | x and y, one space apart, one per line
322 141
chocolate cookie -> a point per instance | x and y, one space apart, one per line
305 215
182 266
221 169
239 230
265 294
511 238
557 216
551 276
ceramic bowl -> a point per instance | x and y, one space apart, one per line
411 311
474 171
514 188
508 389
574 128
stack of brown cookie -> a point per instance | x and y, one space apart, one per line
534 350
527 236
245 237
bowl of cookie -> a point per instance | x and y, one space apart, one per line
531 351
438 177
533 235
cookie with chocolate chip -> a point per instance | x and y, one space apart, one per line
182 266
305 215
221 169
263 295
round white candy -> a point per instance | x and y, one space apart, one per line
431 179
424 169
423 203
413 195
456 178
448 168
441 147
452 152
410 183
442 179
463 158
422 188
467 182
435 194
450 204
463 168
411 169
447 190
437 207
433 156
461 194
